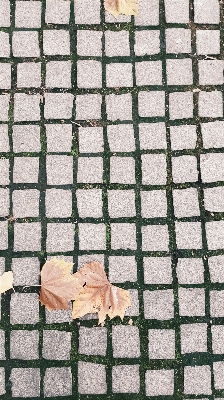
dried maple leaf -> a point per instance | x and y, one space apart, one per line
98 294
58 286
6 280
116 7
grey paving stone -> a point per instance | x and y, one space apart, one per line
91 378
58 203
58 382
121 203
88 106
56 42
91 140
117 43
133 310
24 345
89 74
178 40
218 370
25 44
148 13
58 74
159 382
59 137
216 303
183 137
4 171
210 72
26 271
154 169
87 258
181 105
26 107
153 203
155 238
210 104
2 381
24 308
2 340
215 234
123 236
184 169
5 13
190 271
122 269
121 138
177 11
26 138
4 202
157 270
87 12
25 382
92 341
217 339
4 139
57 11
28 15
119 75
2 265
89 43
197 379
208 41
151 104
3 235
161 343
179 72
213 134
206 13
147 42
58 105
125 341
158 304
216 268
28 74
60 316
4 45
119 107
148 73
90 170
59 170
191 302
186 203
122 170
5 75
89 203
26 170
4 107
121 18
125 379
56 345
22 234
25 203
60 237
152 136
188 235
193 338
211 167
92 236
214 199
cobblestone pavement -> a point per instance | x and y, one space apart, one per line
112 149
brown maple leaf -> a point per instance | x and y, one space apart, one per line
98 294
6 280
116 7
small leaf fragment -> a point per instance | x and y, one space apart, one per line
117 7
6 280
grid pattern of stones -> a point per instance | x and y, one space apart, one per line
111 142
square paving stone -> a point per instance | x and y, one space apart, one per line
24 345
60 237
28 74
26 107
208 41
179 72
216 303
24 308
26 271
210 104
56 345
218 370
181 105
26 170
123 236
58 382
155 238
58 73
89 203
2 381
89 74
92 341
121 138
190 271
216 268
183 137
122 170
4 139
206 12
89 43
121 203
210 72
58 203
122 269
151 104
92 236
4 202
56 42
213 134
117 43
197 379
25 382
188 235
87 12
4 45
59 170
2 346
186 202
119 75
217 339
3 235
90 170
57 11
159 382
88 106
154 169
152 136
119 107
153 204
178 40
5 13
26 139
125 379
161 344
60 316
87 258
4 171
5 75
148 73
59 137
4 107
211 167
25 44
147 42
158 304
58 105
193 338
125 341
215 234
184 169
25 203
177 11
133 309
22 234
191 302
28 15
157 270
121 18
148 13
2 265
91 140
91 378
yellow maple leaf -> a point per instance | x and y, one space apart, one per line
116 7
6 280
